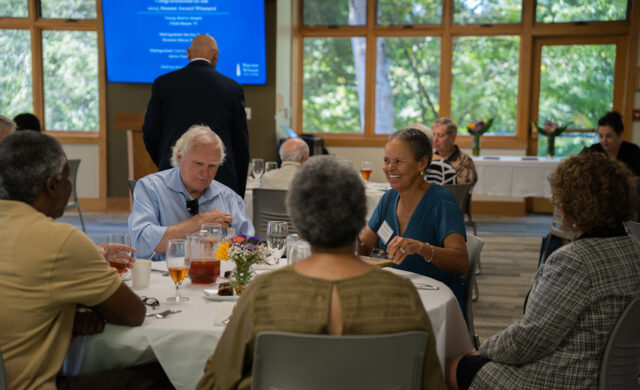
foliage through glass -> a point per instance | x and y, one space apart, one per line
68 9
407 82
334 12
409 12
71 80
333 85
14 8
15 73
485 81
576 85
559 11
487 11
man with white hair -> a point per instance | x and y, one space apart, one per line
173 203
198 93
292 153
7 126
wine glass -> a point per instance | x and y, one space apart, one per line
270 166
178 264
276 239
117 256
366 167
257 167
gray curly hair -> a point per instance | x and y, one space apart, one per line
27 160
326 202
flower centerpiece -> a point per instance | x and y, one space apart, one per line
244 252
476 129
551 130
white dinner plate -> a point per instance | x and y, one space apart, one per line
212 295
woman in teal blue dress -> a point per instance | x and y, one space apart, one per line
418 224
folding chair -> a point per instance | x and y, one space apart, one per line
474 247
268 205
621 360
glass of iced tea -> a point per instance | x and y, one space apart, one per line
119 251
366 167
205 268
178 266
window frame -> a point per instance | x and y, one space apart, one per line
35 24
530 32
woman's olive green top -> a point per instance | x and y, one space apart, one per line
373 303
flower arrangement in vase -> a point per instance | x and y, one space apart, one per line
476 129
244 252
551 130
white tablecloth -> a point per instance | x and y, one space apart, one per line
373 193
512 176
183 342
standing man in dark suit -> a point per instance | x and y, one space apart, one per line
198 94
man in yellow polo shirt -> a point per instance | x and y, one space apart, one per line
48 269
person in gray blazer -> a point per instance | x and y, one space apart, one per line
578 293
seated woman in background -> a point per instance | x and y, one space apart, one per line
330 292
27 121
610 129
578 294
439 171
418 224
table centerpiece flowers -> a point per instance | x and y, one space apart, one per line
551 130
244 252
476 129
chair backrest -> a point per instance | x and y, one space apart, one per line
132 185
633 228
268 205
621 360
474 248
303 361
461 193
74 164
3 376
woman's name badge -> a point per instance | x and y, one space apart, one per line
385 232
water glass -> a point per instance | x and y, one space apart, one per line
291 239
213 229
257 167
270 166
277 232
299 251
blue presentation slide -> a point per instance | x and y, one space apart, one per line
148 38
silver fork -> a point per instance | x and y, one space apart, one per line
163 314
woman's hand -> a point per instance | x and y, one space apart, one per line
399 248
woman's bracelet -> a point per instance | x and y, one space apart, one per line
433 253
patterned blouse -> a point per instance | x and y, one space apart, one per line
465 168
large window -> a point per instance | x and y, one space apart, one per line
49 64
369 67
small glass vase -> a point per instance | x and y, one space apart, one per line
551 145
475 144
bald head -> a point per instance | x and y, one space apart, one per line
203 46
294 149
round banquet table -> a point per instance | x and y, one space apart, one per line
183 342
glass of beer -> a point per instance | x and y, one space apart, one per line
366 167
119 251
205 268
178 266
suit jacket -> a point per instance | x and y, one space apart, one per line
198 94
